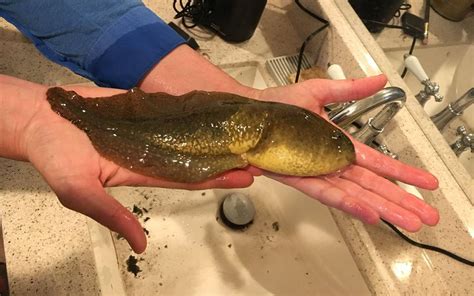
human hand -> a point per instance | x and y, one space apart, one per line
74 170
362 190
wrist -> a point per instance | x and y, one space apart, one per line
19 102
184 70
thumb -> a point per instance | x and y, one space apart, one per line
90 199
334 91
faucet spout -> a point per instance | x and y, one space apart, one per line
392 98
454 109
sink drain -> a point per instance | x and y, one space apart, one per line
237 211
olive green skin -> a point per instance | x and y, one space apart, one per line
199 135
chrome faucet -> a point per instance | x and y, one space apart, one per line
454 109
384 149
465 142
430 88
391 98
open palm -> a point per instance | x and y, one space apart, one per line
362 189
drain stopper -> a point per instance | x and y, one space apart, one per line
237 210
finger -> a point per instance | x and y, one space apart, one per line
393 169
330 195
387 210
392 192
333 91
89 198
231 179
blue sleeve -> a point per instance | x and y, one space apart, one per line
111 42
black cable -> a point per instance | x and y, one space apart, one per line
303 46
412 47
383 24
429 247
404 6
192 13
310 36
311 13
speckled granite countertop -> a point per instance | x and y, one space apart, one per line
48 248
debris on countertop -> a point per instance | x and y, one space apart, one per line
132 266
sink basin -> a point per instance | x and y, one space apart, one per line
451 68
249 74
293 246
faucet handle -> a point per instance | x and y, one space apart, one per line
430 88
384 149
437 96
465 142
335 72
413 64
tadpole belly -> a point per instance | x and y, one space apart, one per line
199 135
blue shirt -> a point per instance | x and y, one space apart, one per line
111 42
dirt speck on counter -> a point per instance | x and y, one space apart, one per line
276 226
137 211
132 266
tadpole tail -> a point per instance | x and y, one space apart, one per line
68 105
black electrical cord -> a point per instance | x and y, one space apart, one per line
311 13
193 12
404 6
412 47
303 46
429 247
310 36
403 236
383 24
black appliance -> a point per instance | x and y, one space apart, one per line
373 11
234 20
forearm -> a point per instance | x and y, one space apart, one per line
184 70
16 112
